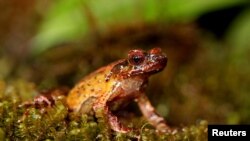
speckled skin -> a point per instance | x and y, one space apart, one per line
118 83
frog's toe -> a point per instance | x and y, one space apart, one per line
121 129
163 128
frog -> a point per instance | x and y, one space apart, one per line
118 83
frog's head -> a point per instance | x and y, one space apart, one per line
140 62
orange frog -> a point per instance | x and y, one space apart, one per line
119 83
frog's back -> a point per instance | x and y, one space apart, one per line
89 89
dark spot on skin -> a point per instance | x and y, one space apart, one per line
88 84
108 76
78 92
82 88
92 90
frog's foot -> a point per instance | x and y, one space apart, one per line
161 125
116 124
163 128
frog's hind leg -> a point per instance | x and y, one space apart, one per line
149 112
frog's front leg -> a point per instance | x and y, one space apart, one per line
102 111
149 112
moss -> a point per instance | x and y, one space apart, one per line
57 123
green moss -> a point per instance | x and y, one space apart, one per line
56 123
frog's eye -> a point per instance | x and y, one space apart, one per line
136 57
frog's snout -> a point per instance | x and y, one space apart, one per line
161 60
157 60
159 57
